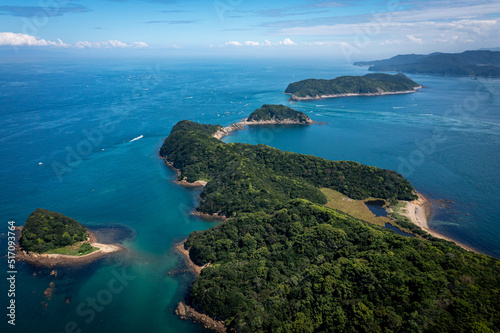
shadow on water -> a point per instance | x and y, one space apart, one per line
113 233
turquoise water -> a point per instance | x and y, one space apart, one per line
80 118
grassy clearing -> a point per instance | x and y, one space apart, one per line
355 208
77 249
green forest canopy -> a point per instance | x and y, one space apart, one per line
367 84
279 113
246 178
45 230
286 264
307 268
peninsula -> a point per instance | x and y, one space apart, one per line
283 261
52 239
469 63
343 86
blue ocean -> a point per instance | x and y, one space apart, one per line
81 137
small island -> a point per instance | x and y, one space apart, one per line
344 86
469 63
268 115
50 239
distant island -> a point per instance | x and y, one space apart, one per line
468 63
49 238
268 115
342 86
282 260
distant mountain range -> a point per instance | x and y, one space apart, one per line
469 63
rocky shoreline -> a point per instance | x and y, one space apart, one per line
318 97
186 312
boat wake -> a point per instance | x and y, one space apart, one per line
138 138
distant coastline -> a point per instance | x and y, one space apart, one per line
318 97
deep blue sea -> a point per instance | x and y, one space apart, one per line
81 137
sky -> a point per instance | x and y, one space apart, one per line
350 29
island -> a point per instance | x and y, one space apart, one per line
52 239
268 115
469 63
284 260
342 86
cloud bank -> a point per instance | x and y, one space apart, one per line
285 42
19 39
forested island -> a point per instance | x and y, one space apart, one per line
342 86
284 262
468 63
268 114
49 238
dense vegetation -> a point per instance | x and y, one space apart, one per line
474 63
278 113
367 84
245 178
306 268
45 230
286 264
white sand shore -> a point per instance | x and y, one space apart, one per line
418 212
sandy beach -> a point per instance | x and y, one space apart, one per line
418 211
52 260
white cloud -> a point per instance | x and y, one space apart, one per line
108 44
413 39
251 43
141 44
287 42
19 39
